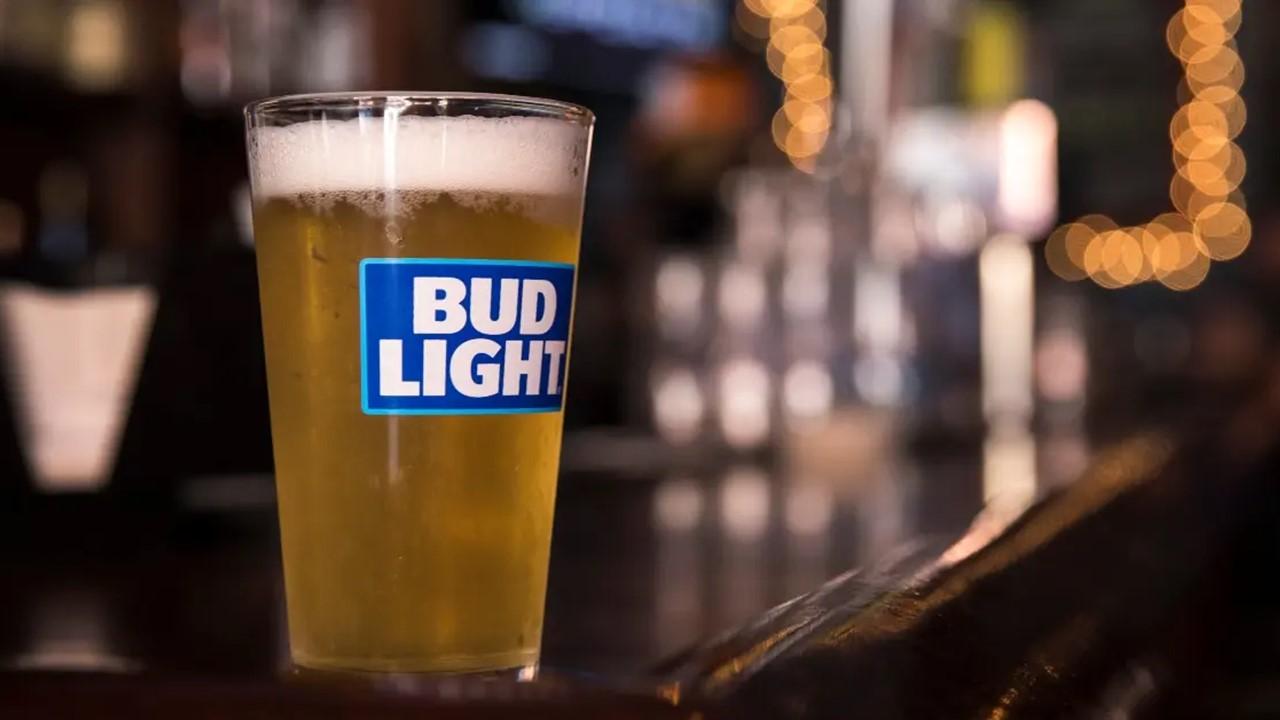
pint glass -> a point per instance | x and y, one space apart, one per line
416 260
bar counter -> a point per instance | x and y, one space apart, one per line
912 598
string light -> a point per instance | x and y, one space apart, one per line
1211 222
796 55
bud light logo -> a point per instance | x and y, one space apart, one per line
463 337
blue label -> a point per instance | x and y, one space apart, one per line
463 337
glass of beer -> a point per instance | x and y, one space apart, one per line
416 263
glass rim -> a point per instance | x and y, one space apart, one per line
525 105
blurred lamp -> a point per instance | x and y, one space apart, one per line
72 361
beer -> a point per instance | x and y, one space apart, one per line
415 539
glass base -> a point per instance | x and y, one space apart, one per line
431 682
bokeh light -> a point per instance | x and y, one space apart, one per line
810 117
1212 221
1214 67
1224 230
1212 64
804 61
1195 264
813 18
1064 251
1226 9
795 54
787 38
787 9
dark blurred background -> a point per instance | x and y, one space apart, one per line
851 272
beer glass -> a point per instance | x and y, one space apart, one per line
416 263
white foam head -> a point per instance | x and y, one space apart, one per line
521 155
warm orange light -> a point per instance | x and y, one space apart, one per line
1218 94
1098 223
1212 223
803 61
806 165
1064 251
811 88
1224 8
1180 44
1149 236
1199 202
1224 230
789 37
1170 223
1205 26
787 8
1212 64
780 126
1236 112
1113 258
1177 258
1205 119
796 55
1227 11
1221 174
1190 146
807 117
1194 264
1173 252
1094 264
1181 193
802 144
813 18
775 59
1122 256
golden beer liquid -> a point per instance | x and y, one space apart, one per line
411 543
